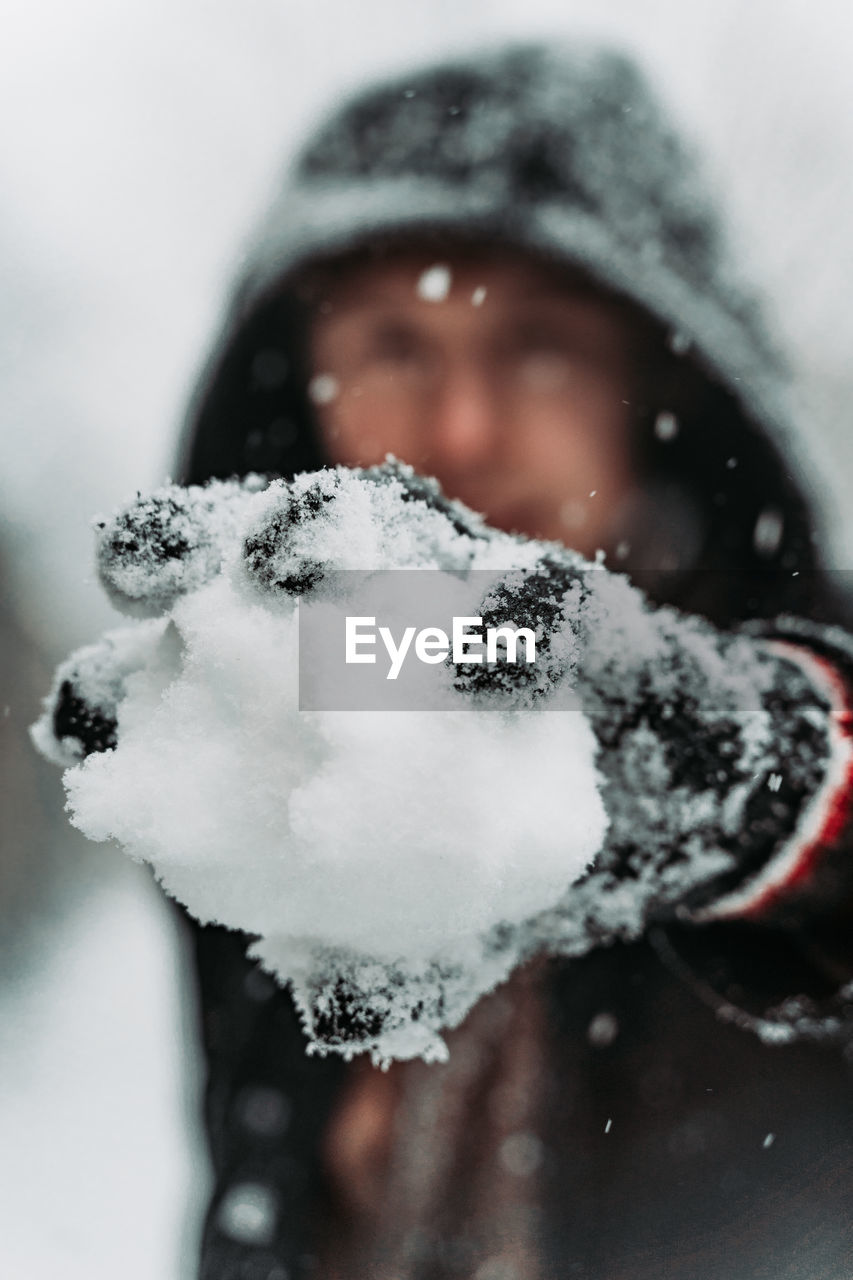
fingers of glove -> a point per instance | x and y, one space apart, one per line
279 555
79 725
540 606
383 518
356 1006
427 491
165 544
81 711
396 1011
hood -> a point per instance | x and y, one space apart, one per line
564 152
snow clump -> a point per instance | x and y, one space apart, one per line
387 866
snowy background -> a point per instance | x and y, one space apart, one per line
138 142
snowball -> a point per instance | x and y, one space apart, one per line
401 852
394 866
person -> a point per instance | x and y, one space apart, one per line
506 271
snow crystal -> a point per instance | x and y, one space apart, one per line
768 531
602 1030
323 388
666 426
434 283
679 343
247 1213
521 1154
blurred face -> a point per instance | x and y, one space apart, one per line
509 386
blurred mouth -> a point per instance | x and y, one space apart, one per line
526 517
509 515
529 515
515 519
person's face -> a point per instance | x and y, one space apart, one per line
510 387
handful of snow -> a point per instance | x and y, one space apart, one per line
390 866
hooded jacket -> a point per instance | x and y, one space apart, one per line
683 1144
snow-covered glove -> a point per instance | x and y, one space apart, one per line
395 867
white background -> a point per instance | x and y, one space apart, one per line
137 142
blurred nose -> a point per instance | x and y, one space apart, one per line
466 427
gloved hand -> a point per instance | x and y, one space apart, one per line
394 867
